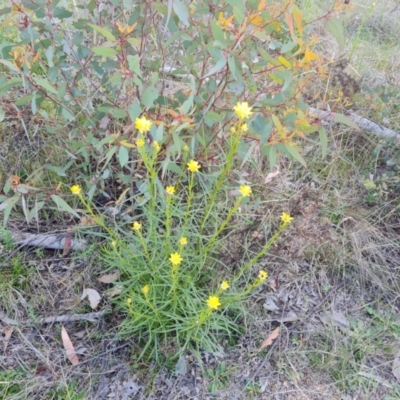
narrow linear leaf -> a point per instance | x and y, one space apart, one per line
295 154
104 51
336 28
340 118
221 63
324 140
63 206
106 33
10 65
45 85
69 347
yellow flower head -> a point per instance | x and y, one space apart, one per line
175 259
245 190
140 142
76 189
262 276
170 190
145 289
113 243
213 302
286 218
129 301
142 124
183 241
244 128
157 146
242 110
136 226
233 129
185 147
224 285
193 166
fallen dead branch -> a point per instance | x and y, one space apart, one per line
55 241
363 123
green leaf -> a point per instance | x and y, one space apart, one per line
106 33
104 51
134 64
63 206
117 113
44 84
5 11
239 15
10 83
123 156
237 3
340 118
7 206
324 140
10 65
270 152
218 33
181 11
337 30
2 114
221 63
292 151
134 110
288 46
62 13
149 96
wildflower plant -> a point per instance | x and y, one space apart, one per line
175 293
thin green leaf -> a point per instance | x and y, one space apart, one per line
2 114
337 30
221 63
63 206
44 84
106 33
292 151
324 140
104 51
123 156
181 11
340 118
10 65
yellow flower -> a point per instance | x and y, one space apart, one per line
76 189
243 110
193 166
286 218
213 302
140 142
136 226
142 124
185 148
224 285
145 289
262 276
245 190
129 301
175 259
233 129
113 243
157 146
183 241
170 190
244 127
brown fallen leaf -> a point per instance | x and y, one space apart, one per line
7 336
108 278
114 291
270 338
69 347
270 176
93 295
